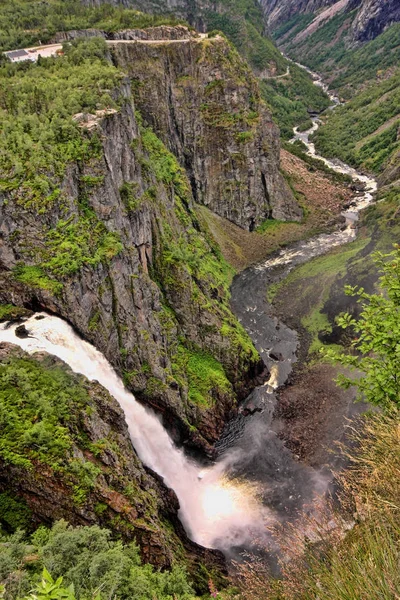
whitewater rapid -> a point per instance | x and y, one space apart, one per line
214 511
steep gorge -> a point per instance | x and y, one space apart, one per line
154 297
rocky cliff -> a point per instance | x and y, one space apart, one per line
278 12
203 101
97 478
119 252
371 18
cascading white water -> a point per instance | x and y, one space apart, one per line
337 165
215 512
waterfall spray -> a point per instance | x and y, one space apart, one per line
215 512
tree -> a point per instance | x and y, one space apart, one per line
375 348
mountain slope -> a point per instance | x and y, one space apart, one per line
99 226
371 18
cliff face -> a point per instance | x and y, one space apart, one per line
204 103
372 16
120 254
121 494
278 12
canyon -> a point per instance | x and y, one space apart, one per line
185 435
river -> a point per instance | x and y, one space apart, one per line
255 482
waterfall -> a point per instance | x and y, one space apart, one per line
214 511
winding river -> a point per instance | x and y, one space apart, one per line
255 481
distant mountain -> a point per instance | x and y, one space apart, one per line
372 16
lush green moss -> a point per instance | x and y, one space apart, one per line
70 245
34 276
8 311
128 196
205 375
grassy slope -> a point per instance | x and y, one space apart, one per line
313 292
364 132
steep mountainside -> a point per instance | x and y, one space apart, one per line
278 11
110 240
370 19
373 17
204 103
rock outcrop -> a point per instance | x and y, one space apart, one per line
156 301
278 12
123 495
373 17
203 101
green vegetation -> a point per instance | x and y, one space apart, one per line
38 135
291 98
34 425
82 563
15 514
375 345
25 23
8 312
272 224
372 62
71 245
363 132
206 377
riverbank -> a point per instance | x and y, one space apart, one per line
321 196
